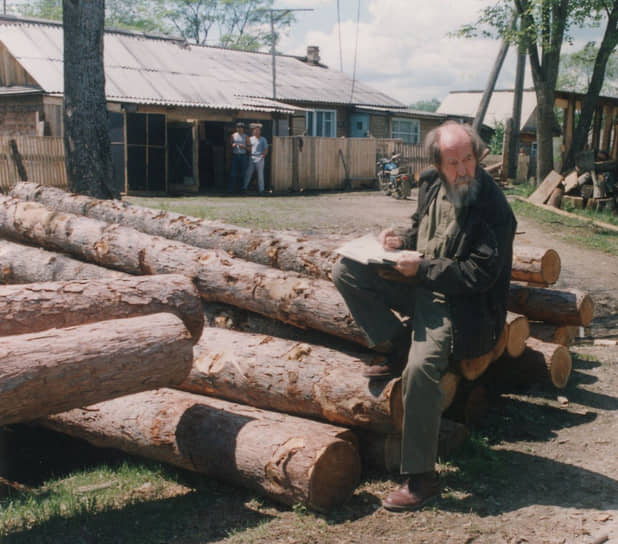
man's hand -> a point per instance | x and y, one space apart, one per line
407 263
390 239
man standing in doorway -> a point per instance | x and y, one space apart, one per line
259 150
456 260
239 158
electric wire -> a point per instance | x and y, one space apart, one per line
355 51
339 32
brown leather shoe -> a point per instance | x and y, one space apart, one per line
418 491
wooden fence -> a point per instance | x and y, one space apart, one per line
412 156
310 163
39 159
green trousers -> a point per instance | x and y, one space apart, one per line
371 301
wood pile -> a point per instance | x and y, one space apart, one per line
273 396
591 186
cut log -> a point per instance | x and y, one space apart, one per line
535 264
286 251
470 405
277 249
570 182
601 204
598 186
26 264
286 296
448 384
471 369
382 452
293 377
575 202
584 179
518 332
289 459
39 306
555 199
52 371
541 363
546 188
559 307
554 334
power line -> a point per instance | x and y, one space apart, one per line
339 31
355 51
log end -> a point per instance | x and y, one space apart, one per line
471 369
334 476
449 383
550 266
518 332
396 400
561 365
586 310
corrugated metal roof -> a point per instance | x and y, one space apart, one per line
499 110
18 90
164 71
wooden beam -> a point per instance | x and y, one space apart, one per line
596 129
608 118
569 120
615 146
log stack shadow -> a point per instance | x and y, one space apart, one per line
273 397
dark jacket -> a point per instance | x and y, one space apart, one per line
476 272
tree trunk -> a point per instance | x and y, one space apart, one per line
86 136
289 459
382 452
608 45
544 131
26 264
554 334
286 251
53 371
293 377
286 296
40 306
309 256
518 332
559 307
541 362
534 264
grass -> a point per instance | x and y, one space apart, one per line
579 231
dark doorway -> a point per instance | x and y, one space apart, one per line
212 156
180 154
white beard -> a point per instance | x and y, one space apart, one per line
464 192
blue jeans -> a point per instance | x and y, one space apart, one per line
237 172
259 168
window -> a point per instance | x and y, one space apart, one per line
409 130
322 123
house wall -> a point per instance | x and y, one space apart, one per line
379 126
21 116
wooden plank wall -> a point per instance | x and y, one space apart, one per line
42 157
315 163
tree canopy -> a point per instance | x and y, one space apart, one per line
576 71
425 105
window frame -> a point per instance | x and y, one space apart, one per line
414 134
312 115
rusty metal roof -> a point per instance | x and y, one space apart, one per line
159 70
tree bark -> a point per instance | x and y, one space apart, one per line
53 371
541 362
518 332
554 334
26 264
289 459
293 377
556 306
87 145
534 264
286 251
382 452
286 296
40 306
309 256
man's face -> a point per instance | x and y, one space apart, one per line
256 132
458 161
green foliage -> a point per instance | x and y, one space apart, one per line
495 144
43 9
425 105
576 71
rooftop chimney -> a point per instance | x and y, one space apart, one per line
313 54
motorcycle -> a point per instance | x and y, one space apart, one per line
391 179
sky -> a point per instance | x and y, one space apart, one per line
403 45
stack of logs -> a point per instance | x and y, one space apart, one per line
595 188
275 398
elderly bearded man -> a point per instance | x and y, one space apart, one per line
457 258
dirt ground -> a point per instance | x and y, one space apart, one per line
542 467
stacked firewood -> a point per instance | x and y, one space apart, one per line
275 398
593 188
